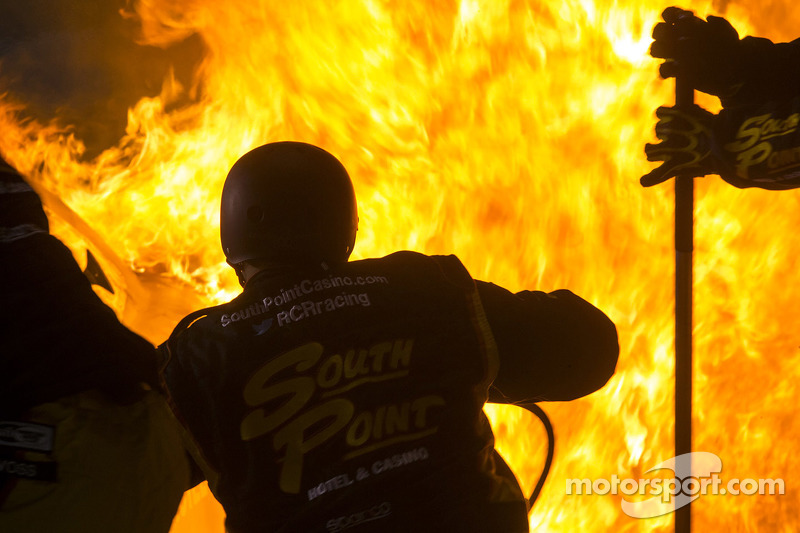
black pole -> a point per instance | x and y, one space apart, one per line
684 245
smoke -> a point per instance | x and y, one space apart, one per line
78 63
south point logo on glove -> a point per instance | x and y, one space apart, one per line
759 141
329 415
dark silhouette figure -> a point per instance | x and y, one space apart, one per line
333 394
85 443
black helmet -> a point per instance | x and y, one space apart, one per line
288 201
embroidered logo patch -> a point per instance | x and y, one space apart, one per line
27 436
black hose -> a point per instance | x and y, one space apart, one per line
551 444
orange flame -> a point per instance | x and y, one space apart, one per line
509 133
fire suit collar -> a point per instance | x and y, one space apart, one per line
273 271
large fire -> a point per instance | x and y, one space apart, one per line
507 132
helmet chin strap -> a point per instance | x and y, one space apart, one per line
239 269
240 275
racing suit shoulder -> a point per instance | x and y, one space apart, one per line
169 348
447 267
184 355
199 323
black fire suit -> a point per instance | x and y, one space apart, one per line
85 446
350 397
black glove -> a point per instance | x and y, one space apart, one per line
685 146
706 54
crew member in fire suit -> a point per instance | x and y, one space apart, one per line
334 395
755 140
84 445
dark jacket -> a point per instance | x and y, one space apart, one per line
331 397
83 445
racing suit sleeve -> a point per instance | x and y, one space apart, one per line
755 139
769 71
759 146
197 472
552 346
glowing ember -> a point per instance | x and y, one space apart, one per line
509 133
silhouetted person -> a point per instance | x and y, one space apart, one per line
85 445
754 141
333 395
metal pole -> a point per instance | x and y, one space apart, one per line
684 245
